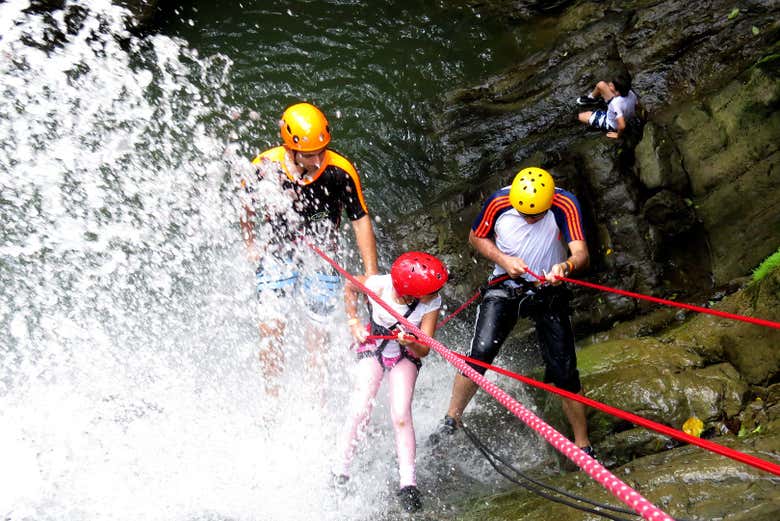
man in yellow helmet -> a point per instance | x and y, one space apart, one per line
319 185
528 225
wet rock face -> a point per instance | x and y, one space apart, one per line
716 370
664 205
687 201
751 349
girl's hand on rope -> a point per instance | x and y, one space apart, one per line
406 339
357 330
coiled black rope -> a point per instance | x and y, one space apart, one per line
537 487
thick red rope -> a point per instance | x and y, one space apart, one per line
633 418
474 297
723 314
590 466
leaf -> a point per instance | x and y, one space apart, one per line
693 426
755 30
734 13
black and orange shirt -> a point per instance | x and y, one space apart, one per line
540 244
318 202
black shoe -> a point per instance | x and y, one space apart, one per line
447 428
587 100
590 452
339 481
410 498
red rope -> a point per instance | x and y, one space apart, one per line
469 301
382 337
589 465
633 418
723 314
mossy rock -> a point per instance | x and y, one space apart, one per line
662 382
730 146
666 396
684 482
752 349
620 355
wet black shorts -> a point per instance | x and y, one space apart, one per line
548 307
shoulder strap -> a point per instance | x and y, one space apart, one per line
380 330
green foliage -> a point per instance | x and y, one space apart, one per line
770 263
734 13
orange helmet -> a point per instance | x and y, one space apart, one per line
304 128
532 191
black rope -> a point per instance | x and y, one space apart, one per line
537 486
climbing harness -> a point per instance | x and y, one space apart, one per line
386 334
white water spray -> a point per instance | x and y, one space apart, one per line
129 384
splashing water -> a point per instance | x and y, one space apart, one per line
129 381
129 386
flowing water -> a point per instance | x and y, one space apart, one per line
129 382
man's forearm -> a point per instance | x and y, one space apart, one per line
487 248
366 243
579 258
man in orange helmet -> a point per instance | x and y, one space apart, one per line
318 186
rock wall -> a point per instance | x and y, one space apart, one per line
667 367
683 205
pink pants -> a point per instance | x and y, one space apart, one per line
401 380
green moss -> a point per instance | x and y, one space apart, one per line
769 264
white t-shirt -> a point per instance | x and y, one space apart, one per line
621 107
538 244
541 244
382 285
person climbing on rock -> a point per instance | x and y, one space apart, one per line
411 289
528 225
621 103
319 185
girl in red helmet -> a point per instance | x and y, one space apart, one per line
412 290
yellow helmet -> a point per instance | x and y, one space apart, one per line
532 191
304 128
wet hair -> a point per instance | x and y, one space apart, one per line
622 83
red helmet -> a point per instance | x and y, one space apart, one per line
415 274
